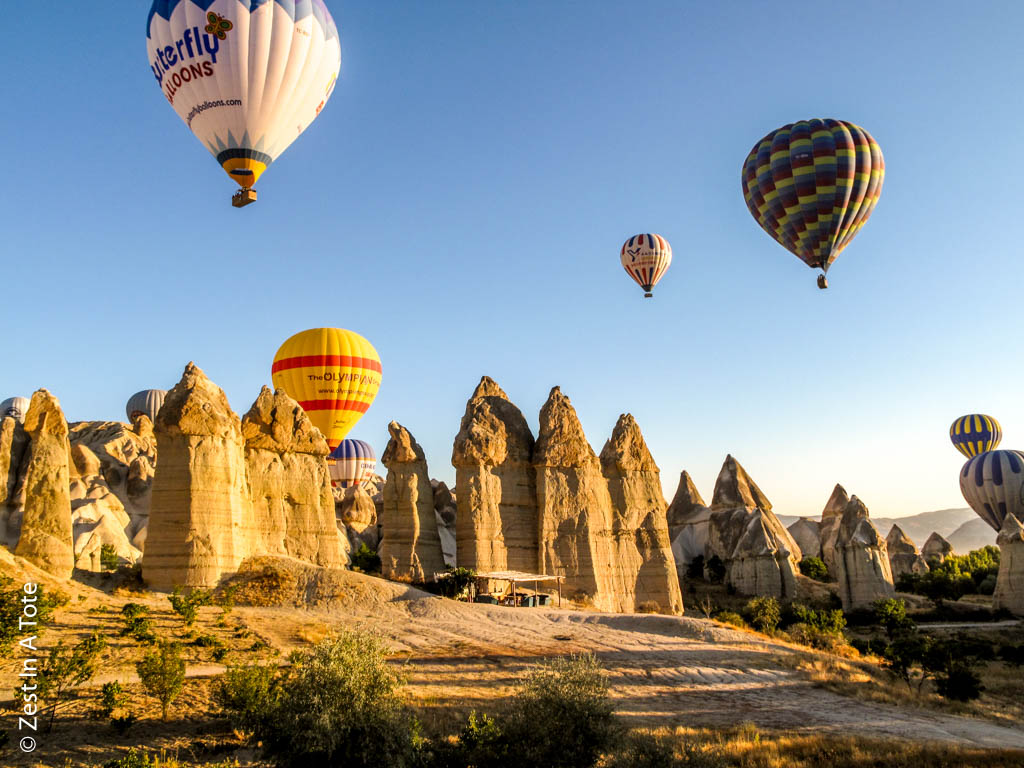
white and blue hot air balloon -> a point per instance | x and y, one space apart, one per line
147 402
246 76
354 463
15 407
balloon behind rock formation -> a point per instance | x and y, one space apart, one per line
354 463
334 374
993 484
15 407
147 401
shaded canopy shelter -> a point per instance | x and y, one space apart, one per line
518 577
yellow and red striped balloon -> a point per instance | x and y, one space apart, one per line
333 373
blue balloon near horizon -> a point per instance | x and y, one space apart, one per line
147 401
354 462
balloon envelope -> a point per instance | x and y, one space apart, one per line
354 463
15 407
646 258
148 401
975 433
334 374
993 484
812 185
246 77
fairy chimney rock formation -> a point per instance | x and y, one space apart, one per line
13 444
760 556
831 516
410 547
575 510
46 538
688 517
201 523
286 461
807 535
640 525
861 558
1009 592
495 492
903 555
936 548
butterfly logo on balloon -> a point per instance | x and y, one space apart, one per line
218 26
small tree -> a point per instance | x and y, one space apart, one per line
892 615
109 559
456 585
11 594
187 605
365 559
162 673
65 668
111 698
340 705
764 613
814 568
248 696
561 717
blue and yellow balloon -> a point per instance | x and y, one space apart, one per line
975 433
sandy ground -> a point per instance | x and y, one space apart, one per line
664 671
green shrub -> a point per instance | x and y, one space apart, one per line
365 559
162 673
207 641
111 697
892 615
219 654
763 613
456 584
11 594
132 610
340 704
816 637
108 557
826 620
248 696
561 717
728 617
187 605
814 568
140 628
66 668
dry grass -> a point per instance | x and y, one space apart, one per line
747 747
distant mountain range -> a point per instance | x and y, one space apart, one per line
960 527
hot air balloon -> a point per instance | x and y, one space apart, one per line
811 185
15 407
975 433
354 463
993 484
646 259
246 77
147 401
333 373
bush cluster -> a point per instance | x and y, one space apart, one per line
814 568
958 575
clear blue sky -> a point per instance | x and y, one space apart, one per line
461 202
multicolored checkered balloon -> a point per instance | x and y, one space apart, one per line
812 185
